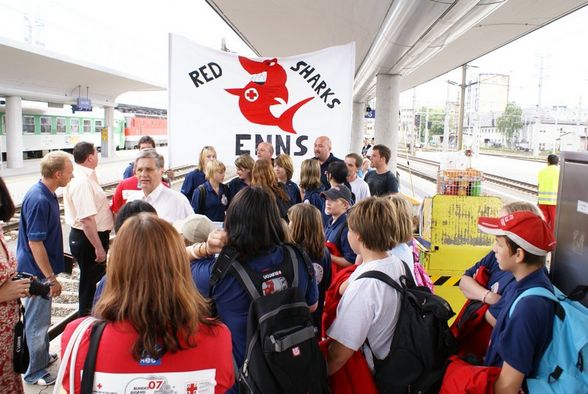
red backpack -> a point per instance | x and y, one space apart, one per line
470 328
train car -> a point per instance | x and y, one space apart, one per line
46 129
139 125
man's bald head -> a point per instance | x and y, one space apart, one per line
265 151
322 148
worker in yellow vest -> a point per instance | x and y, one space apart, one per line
547 183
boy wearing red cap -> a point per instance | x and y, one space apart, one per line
518 341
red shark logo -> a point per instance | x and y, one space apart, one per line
268 83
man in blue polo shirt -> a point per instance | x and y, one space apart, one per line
39 252
518 341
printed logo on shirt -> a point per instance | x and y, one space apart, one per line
318 272
191 382
224 200
494 287
149 361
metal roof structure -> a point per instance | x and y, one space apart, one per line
36 74
418 39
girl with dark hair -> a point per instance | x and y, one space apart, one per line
153 327
255 230
10 292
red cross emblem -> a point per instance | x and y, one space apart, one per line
99 386
191 389
251 95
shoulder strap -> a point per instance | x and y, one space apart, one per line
87 384
221 267
379 275
201 198
533 291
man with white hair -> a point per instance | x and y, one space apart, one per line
170 205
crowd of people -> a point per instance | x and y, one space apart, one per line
177 287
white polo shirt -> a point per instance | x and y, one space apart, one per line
170 205
369 310
360 188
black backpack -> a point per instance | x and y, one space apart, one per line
282 353
422 341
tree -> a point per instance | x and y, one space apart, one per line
510 123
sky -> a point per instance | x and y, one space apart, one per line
132 36
561 44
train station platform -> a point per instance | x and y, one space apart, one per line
20 180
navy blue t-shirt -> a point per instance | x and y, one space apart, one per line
313 197
215 205
332 232
498 282
293 192
324 167
522 338
232 301
40 220
235 186
191 182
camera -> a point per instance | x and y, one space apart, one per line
38 287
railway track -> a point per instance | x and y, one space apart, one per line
517 185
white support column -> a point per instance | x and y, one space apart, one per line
357 128
387 114
14 139
108 144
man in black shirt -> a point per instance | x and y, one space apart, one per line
322 152
381 181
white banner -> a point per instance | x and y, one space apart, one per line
233 103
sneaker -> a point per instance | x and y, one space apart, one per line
46 380
52 358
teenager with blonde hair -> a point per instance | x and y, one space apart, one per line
197 177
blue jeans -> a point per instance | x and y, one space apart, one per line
37 321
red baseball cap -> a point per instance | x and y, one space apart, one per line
524 228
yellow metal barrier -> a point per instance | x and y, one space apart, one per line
450 224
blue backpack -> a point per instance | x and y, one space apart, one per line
562 369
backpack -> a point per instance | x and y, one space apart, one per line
224 189
282 353
422 341
561 368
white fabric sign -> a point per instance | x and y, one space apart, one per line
233 103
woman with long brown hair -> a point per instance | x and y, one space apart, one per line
157 323
264 176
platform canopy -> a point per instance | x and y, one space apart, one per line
418 39
36 74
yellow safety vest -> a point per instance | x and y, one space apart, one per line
548 181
